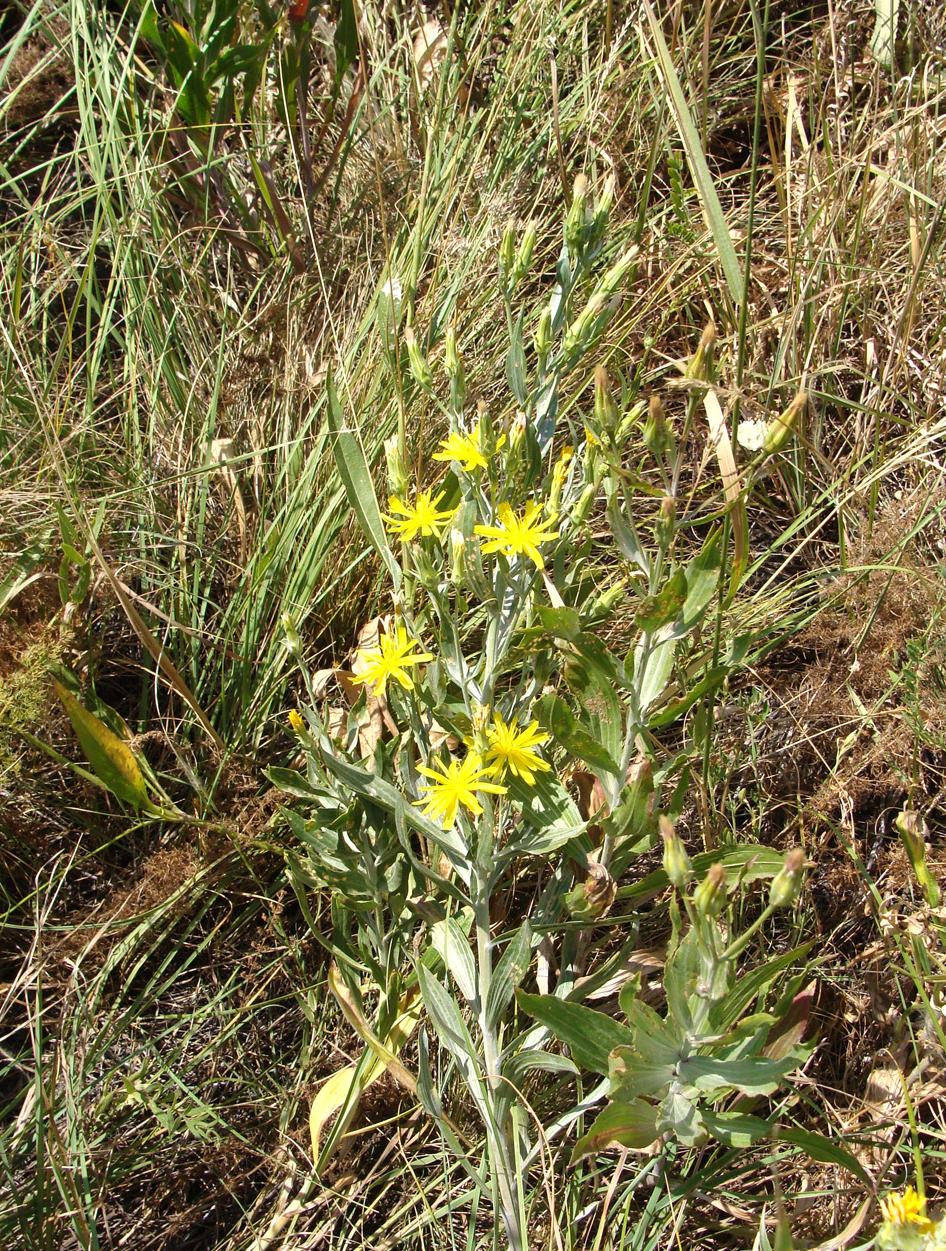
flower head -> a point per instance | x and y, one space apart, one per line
518 536
455 784
423 517
751 434
466 449
514 749
295 720
906 1209
390 659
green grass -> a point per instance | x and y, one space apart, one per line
167 1020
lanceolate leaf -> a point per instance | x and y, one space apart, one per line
590 1035
111 758
631 1124
356 478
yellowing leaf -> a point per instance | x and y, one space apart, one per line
112 760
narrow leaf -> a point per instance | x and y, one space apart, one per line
112 759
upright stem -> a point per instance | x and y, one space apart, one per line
497 1121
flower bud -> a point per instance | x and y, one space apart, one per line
577 220
603 605
666 521
543 338
507 256
780 428
453 368
657 435
292 640
523 260
700 365
559 470
605 410
676 862
417 362
787 882
710 894
585 503
296 721
594 897
583 329
457 556
399 479
614 276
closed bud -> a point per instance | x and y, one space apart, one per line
523 261
457 557
605 410
657 435
399 479
585 503
710 896
779 429
507 255
594 897
787 882
417 362
580 333
292 640
543 337
666 521
676 861
576 222
615 275
701 363
603 605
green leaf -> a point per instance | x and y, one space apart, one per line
709 200
562 623
111 759
631 1125
452 944
451 1030
509 972
346 38
751 1077
532 1060
750 985
747 862
680 1116
736 1129
356 478
556 717
632 1075
652 670
550 816
659 609
590 1035
821 1149
516 364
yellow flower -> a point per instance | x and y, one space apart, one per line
514 749
906 1209
455 784
518 536
295 720
374 665
466 449
423 518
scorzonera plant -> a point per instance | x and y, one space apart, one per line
493 741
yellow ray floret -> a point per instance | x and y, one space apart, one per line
466 449
390 659
906 1209
423 517
455 784
514 749
518 536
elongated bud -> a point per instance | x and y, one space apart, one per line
594 897
457 557
605 410
419 368
779 429
676 861
787 882
399 479
583 329
701 364
453 368
614 276
507 256
602 606
666 521
914 834
603 205
657 436
577 220
710 894
292 640
585 503
543 338
523 261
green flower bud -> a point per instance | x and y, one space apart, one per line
615 275
605 410
666 522
787 882
399 478
543 338
701 363
658 438
419 368
603 605
583 329
576 223
676 862
584 504
523 260
507 256
457 557
780 428
594 897
292 640
710 895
